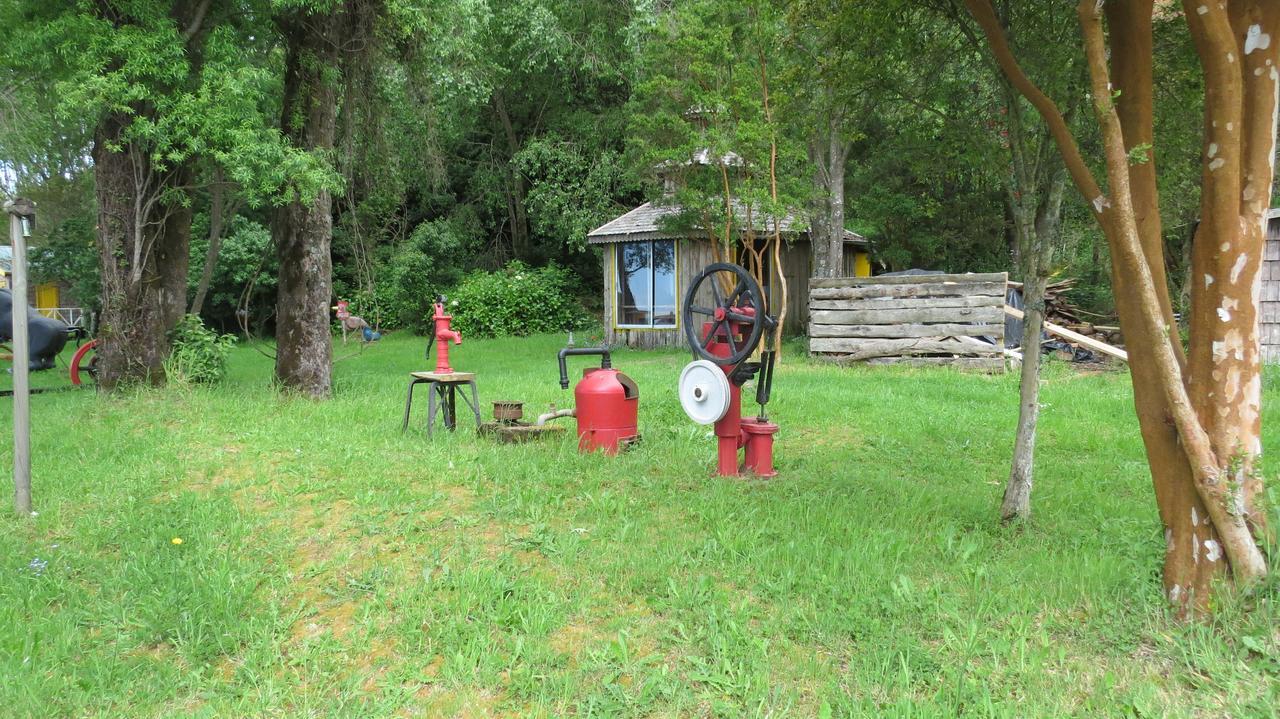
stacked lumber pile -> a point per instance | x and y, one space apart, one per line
910 319
1060 311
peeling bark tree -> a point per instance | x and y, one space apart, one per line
1199 411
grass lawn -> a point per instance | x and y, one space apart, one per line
330 567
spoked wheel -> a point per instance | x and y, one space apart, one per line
743 307
84 364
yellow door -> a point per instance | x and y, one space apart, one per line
861 264
46 298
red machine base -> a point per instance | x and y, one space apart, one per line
755 436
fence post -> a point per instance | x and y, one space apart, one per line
22 215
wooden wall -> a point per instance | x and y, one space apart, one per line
692 256
912 319
1269 311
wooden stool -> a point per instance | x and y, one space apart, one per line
442 386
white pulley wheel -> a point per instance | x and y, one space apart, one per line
704 392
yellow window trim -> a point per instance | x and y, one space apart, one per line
613 269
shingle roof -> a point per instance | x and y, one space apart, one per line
645 223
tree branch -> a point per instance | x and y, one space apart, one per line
986 18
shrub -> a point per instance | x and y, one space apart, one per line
516 300
418 269
198 354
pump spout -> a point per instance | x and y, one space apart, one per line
605 362
555 414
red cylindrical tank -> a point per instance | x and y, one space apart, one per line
607 403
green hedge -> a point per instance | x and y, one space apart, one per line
516 300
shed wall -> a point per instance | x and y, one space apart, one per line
692 256
1269 312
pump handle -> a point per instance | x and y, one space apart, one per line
605 362
764 381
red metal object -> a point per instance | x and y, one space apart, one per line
79 364
442 336
734 433
607 405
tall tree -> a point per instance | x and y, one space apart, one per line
1035 182
321 39
1198 408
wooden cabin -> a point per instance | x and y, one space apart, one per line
1269 311
648 269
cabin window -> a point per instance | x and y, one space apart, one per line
646 275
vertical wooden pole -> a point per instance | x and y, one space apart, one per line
21 357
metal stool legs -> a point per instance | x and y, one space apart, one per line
442 399
408 404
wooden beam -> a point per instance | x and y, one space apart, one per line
923 289
909 330
990 365
903 303
907 279
981 315
859 349
1076 337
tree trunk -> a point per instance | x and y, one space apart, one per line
828 154
142 255
173 254
1199 411
515 182
1016 505
839 151
218 214
303 227
1188 569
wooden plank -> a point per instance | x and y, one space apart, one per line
903 303
908 279
908 330
990 365
926 289
1076 337
983 315
858 349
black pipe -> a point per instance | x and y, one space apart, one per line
573 351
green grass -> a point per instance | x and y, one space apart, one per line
330 567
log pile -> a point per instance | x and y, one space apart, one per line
1060 310
911 319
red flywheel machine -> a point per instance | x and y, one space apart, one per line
723 337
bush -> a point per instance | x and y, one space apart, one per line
516 300
407 280
198 355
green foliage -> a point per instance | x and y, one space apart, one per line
698 118
247 261
62 248
572 191
424 265
516 300
198 354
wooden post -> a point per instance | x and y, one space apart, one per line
22 214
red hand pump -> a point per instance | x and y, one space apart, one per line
443 334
